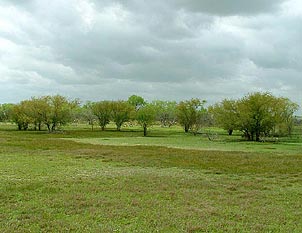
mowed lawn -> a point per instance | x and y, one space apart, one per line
83 181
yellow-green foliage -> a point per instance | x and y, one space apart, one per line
257 114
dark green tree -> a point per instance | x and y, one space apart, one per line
145 116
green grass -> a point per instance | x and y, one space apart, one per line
174 138
75 181
197 143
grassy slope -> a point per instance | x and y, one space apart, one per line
50 184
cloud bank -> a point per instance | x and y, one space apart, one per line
174 49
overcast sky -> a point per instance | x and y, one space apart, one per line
170 50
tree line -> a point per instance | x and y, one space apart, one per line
255 115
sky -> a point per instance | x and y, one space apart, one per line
168 50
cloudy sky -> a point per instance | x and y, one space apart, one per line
171 50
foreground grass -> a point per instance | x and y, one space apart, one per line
51 184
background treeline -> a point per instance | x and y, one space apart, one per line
256 115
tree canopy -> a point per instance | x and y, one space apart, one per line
255 115
136 101
121 112
189 114
102 110
146 116
51 111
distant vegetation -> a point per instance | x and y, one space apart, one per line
256 115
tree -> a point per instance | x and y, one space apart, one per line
202 119
120 112
188 113
102 110
136 101
20 115
86 113
285 119
5 112
39 111
60 111
49 110
165 112
225 115
146 116
257 114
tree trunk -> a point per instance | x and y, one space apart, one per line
145 131
257 136
103 127
230 132
247 135
48 127
289 130
186 128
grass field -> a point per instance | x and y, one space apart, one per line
83 181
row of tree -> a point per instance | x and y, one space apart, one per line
255 115
137 109
49 111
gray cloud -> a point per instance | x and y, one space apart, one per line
212 7
229 7
159 49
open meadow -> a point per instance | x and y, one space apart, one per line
78 180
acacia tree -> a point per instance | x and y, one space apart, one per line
121 112
255 114
189 112
50 110
102 110
225 114
5 112
87 114
165 112
40 111
146 116
20 115
45 111
202 119
285 115
60 111
26 113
